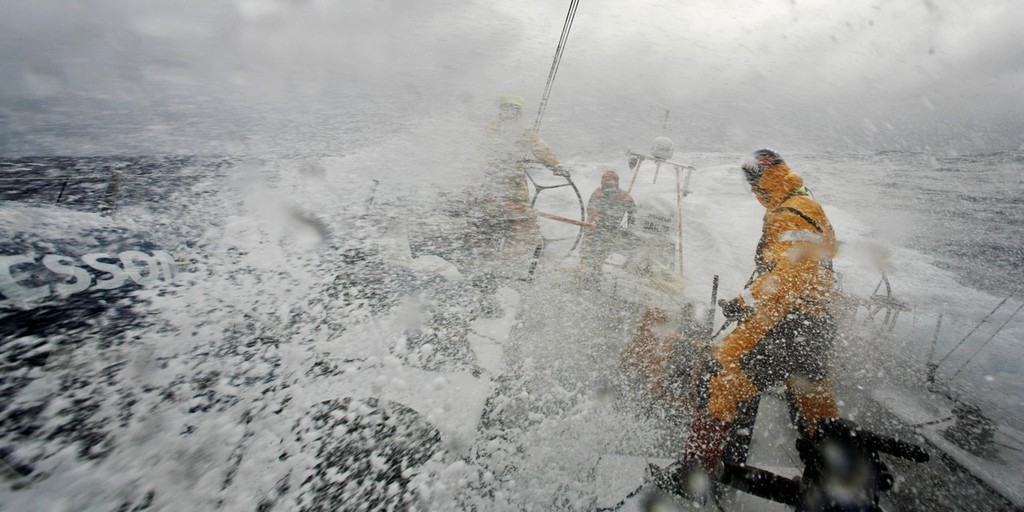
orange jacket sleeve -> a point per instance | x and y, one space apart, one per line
540 150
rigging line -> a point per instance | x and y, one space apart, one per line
569 17
962 392
556 62
990 338
983 320
564 38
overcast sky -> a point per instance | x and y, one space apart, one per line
95 76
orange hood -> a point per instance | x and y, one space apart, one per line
776 184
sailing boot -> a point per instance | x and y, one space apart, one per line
693 476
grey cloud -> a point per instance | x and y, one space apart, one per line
236 74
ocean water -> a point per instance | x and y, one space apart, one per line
964 210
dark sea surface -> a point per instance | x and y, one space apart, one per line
964 210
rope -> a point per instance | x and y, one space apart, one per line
961 391
990 338
933 422
622 502
983 320
569 16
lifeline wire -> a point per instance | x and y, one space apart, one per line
569 16
983 320
962 392
990 338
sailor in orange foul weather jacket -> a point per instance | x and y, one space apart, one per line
605 209
785 328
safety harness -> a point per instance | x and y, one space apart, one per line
761 267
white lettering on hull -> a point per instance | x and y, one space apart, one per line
113 271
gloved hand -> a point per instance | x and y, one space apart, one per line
734 309
560 171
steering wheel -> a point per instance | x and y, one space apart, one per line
581 223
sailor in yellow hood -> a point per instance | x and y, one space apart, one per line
503 225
